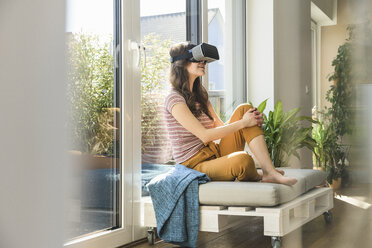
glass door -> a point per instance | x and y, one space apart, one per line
94 115
163 23
134 68
102 70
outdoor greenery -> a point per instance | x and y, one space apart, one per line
90 94
90 91
285 134
154 77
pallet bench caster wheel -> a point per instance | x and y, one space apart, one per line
151 236
275 242
328 217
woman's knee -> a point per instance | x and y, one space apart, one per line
244 106
245 169
241 109
239 112
242 160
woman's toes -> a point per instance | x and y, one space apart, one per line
278 178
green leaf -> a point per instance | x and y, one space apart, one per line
270 120
301 118
265 118
261 108
278 111
289 116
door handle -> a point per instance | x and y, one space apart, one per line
135 46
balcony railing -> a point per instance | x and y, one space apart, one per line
217 98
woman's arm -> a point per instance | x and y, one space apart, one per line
183 115
217 121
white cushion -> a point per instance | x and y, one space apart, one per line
257 194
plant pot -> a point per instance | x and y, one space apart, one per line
336 184
82 161
94 162
318 168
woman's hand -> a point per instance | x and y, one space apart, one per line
259 117
252 118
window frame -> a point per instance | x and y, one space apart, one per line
118 41
315 63
237 74
123 232
194 21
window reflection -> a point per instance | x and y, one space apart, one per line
94 121
163 23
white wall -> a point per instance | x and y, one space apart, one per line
260 51
292 62
327 7
292 54
32 123
279 57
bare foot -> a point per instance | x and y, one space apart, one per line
277 177
259 176
278 170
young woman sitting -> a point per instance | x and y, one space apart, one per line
193 126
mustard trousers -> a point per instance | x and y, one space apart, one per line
227 161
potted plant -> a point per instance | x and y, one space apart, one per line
285 134
330 155
339 115
340 93
336 173
325 139
94 120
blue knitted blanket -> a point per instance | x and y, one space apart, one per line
175 197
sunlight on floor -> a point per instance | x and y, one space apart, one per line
353 201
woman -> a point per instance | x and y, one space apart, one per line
193 125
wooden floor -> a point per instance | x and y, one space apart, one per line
351 227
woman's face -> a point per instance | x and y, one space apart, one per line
196 69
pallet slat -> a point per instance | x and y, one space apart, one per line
278 221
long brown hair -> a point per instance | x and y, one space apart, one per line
179 78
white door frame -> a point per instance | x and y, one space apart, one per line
131 145
137 211
316 87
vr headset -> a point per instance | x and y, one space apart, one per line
201 52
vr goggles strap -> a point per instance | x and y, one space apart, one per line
182 56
